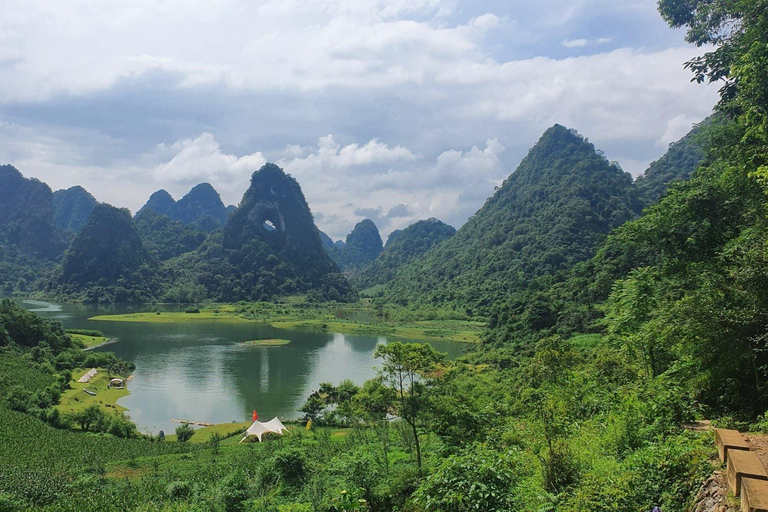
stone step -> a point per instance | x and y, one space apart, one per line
726 439
754 495
743 464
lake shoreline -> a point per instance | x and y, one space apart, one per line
314 320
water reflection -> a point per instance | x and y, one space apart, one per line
202 371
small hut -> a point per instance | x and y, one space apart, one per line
117 383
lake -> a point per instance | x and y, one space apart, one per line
202 371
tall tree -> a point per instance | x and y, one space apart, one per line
407 367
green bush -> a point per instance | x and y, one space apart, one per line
479 479
289 465
178 490
184 433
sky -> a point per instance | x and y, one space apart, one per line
393 110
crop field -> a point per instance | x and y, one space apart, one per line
18 371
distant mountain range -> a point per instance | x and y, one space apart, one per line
552 212
201 207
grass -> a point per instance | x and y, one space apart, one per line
313 317
267 343
90 341
585 342
225 430
449 330
173 317
75 399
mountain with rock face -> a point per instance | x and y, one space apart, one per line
269 247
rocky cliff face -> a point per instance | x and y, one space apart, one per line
269 247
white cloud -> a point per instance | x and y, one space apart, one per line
677 127
575 43
330 155
406 87
202 159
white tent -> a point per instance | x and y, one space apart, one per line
88 375
258 428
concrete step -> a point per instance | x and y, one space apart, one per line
743 464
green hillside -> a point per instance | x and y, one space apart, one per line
406 246
107 262
552 212
72 208
269 247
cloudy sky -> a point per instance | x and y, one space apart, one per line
395 110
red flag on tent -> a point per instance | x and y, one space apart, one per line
255 416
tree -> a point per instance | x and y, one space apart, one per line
408 367
184 433
738 30
313 408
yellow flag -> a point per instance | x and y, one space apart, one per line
309 424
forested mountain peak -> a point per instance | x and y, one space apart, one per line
26 215
407 245
160 202
362 246
107 260
550 213
273 208
201 206
72 207
269 247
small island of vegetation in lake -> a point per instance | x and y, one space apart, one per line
267 343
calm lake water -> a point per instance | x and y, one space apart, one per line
201 371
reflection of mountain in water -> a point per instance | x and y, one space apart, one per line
203 372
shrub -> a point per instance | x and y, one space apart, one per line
477 479
289 465
184 433
233 492
178 490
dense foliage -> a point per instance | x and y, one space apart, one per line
107 262
407 245
361 247
677 164
72 208
269 247
684 286
587 431
166 238
549 214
